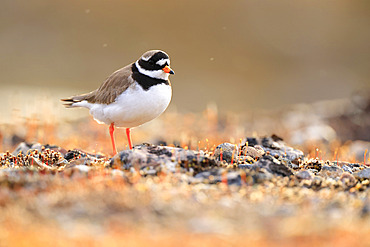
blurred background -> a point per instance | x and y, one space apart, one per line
256 59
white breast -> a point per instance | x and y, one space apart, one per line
133 107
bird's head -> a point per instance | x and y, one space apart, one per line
155 64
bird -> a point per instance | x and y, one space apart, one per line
130 96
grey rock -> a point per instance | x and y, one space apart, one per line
346 169
254 152
75 154
228 150
22 147
304 175
274 166
347 179
276 147
252 141
289 154
248 166
152 158
330 171
269 142
363 174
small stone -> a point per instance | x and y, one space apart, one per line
252 141
228 150
74 154
274 166
304 175
23 147
275 146
247 166
255 152
268 142
363 174
330 171
346 169
347 179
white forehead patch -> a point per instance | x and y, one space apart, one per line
163 62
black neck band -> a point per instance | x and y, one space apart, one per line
146 81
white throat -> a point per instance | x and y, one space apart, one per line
158 74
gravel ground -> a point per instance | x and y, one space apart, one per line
261 192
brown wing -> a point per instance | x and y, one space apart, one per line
107 93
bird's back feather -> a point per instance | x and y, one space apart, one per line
108 92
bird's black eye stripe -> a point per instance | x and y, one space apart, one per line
149 65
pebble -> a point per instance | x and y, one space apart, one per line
330 171
348 179
228 151
363 174
254 152
274 166
304 175
275 146
346 169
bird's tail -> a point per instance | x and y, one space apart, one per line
70 102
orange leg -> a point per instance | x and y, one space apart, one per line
128 133
111 130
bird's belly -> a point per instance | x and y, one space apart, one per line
134 107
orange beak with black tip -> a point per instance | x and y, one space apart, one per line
167 69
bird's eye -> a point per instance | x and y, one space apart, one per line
151 62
